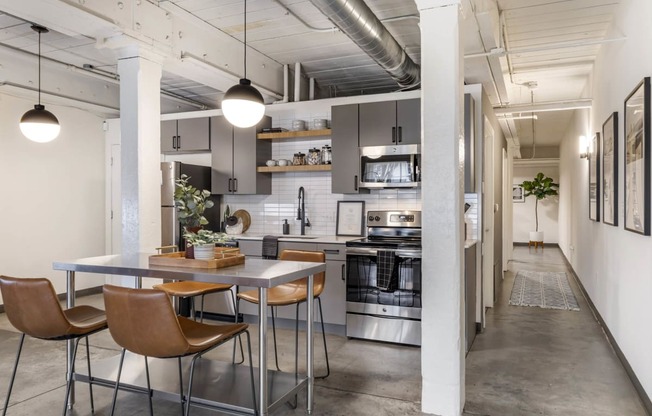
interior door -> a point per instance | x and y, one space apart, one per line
488 216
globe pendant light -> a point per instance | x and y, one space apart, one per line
243 104
39 124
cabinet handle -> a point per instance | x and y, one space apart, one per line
174 142
230 189
329 251
355 182
343 272
178 142
393 134
235 184
400 134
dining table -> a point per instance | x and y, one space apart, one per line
219 385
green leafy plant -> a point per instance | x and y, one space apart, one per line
191 203
541 187
202 237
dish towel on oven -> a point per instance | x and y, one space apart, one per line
386 272
270 247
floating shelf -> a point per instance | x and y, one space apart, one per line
300 168
293 134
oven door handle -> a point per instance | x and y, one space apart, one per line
372 252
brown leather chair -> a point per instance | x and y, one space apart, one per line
191 289
144 322
294 293
32 308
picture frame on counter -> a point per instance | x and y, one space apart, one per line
518 195
350 218
637 159
610 170
594 178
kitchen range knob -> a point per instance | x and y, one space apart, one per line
377 218
384 309
371 218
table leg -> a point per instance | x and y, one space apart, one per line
263 396
138 282
70 344
310 351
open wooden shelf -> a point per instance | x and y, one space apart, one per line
300 168
293 134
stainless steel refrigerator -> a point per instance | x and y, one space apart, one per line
200 178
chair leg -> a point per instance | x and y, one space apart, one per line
251 373
90 377
117 382
323 334
274 334
149 389
13 374
192 374
181 387
70 376
201 313
236 305
193 312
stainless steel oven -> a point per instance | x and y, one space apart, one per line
384 279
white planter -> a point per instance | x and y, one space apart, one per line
205 252
536 236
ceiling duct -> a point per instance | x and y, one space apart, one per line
358 22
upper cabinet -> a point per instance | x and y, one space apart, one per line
235 154
469 143
187 135
389 123
345 175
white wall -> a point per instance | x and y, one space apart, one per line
52 194
523 212
612 263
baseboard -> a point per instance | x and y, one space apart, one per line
527 244
78 293
619 353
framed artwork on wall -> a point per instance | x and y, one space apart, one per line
610 170
637 159
518 195
594 178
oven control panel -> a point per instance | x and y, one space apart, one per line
394 219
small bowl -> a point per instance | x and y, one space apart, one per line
320 123
282 162
298 125
271 163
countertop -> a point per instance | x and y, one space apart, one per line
314 239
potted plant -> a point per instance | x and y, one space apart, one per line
191 204
203 242
541 187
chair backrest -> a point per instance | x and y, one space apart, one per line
32 307
308 256
143 321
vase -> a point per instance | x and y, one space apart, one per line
536 236
205 252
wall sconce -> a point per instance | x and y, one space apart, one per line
584 147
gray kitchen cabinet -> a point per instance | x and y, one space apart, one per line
187 135
389 123
345 174
235 155
469 143
251 248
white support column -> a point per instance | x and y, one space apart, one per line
140 125
442 104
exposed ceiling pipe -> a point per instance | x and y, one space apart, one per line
286 86
297 81
359 23
545 106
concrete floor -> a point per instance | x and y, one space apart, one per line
529 361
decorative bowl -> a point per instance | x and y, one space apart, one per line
271 163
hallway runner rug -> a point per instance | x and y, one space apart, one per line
548 290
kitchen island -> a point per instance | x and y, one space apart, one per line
273 388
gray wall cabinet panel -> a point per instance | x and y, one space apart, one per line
345 174
221 155
469 143
408 121
168 136
377 123
193 135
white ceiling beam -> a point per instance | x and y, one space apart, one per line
545 106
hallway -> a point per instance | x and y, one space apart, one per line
533 361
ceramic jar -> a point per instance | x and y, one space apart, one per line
299 159
314 156
326 155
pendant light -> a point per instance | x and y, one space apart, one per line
39 124
243 104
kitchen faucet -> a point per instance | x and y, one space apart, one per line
301 212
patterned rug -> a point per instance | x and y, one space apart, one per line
548 290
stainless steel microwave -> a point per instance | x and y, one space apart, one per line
390 166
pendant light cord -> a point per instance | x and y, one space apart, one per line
39 67
245 39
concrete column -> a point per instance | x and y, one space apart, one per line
140 153
442 106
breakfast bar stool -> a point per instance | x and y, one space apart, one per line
32 308
191 289
144 322
294 293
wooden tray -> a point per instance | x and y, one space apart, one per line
225 257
